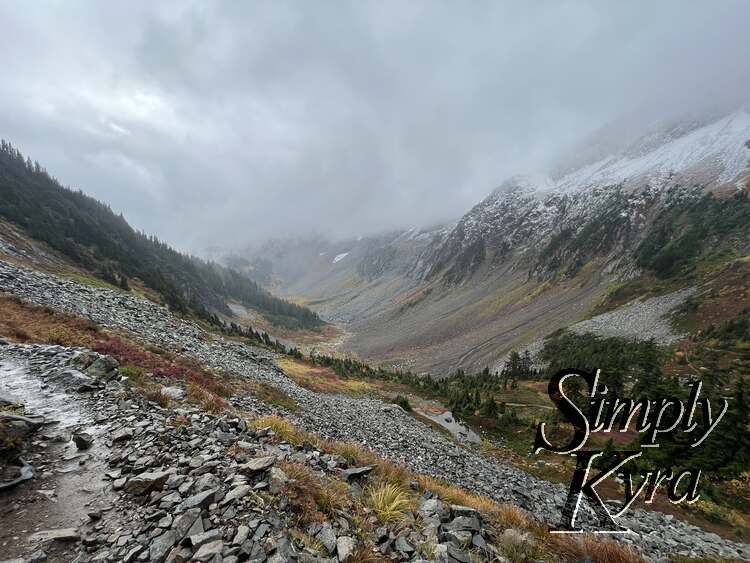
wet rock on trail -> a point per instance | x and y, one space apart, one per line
82 440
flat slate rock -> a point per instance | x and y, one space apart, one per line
356 472
146 482
258 464
208 551
60 534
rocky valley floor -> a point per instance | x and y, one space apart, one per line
166 486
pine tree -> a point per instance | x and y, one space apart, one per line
489 407
526 364
727 451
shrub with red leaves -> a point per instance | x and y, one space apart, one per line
183 370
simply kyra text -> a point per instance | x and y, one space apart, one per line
653 418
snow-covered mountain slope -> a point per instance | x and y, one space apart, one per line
600 209
713 154
537 253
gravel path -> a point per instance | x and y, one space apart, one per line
383 427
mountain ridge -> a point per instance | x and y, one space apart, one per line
541 241
96 239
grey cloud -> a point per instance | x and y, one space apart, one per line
218 123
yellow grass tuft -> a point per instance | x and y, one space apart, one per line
352 453
311 494
389 502
284 429
393 473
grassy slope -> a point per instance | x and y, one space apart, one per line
437 328
475 325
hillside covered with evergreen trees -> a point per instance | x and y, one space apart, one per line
92 236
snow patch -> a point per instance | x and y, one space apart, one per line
340 257
720 145
526 208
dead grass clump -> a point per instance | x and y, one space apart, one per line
285 430
32 323
312 495
509 516
500 515
354 454
154 394
300 491
389 502
208 401
575 548
333 495
304 540
388 472
368 554
180 420
519 548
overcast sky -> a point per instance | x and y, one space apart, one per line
213 123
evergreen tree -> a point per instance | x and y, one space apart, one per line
489 407
727 450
